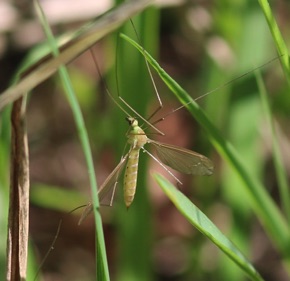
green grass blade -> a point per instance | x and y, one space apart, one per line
133 78
259 199
278 163
200 221
277 36
102 264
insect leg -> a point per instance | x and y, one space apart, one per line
162 165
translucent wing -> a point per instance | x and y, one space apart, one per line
107 190
183 160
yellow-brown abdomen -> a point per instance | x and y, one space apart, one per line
130 178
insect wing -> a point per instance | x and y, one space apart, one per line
183 160
107 189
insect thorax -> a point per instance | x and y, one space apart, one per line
137 137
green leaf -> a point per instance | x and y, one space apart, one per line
200 221
277 37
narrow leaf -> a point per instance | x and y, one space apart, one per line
200 221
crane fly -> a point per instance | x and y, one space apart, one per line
178 158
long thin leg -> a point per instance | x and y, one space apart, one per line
215 90
160 106
127 104
162 165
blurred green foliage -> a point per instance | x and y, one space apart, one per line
202 46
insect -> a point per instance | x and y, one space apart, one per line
178 158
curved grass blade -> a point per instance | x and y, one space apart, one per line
200 221
281 46
277 157
183 160
264 206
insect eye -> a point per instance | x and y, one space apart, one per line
132 121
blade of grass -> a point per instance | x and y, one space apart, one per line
260 200
200 221
278 163
277 36
82 40
102 263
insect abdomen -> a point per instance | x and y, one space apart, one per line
130 178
